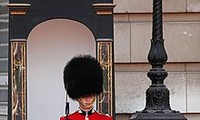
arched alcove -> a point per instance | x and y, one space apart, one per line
39 41
49 46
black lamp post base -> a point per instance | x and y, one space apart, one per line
158 116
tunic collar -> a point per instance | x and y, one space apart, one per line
86 113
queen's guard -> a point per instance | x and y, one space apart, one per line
83 81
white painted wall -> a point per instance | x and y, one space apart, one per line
50 45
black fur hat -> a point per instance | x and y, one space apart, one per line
83 75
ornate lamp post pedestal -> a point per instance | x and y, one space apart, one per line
157 105
157 95
159 116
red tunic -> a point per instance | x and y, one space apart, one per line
94 116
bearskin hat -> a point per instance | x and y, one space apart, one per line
83 75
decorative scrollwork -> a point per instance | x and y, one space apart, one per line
105 59
18 77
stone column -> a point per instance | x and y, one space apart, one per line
17 109
105 55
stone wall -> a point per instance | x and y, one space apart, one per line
3 59
133 30
145 6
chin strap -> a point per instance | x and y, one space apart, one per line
67 109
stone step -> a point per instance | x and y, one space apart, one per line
3 110
4 50
2 1
4 78
3 101
3 8
3 94
4 35
3 65
3 116
4 16
3 23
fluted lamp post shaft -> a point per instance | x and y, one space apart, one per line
157 95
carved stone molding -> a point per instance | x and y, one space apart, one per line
18 8
104 8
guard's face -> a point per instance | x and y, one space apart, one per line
86 102
88 99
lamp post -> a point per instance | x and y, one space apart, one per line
157 95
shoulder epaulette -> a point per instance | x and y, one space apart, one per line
103 114
70 114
